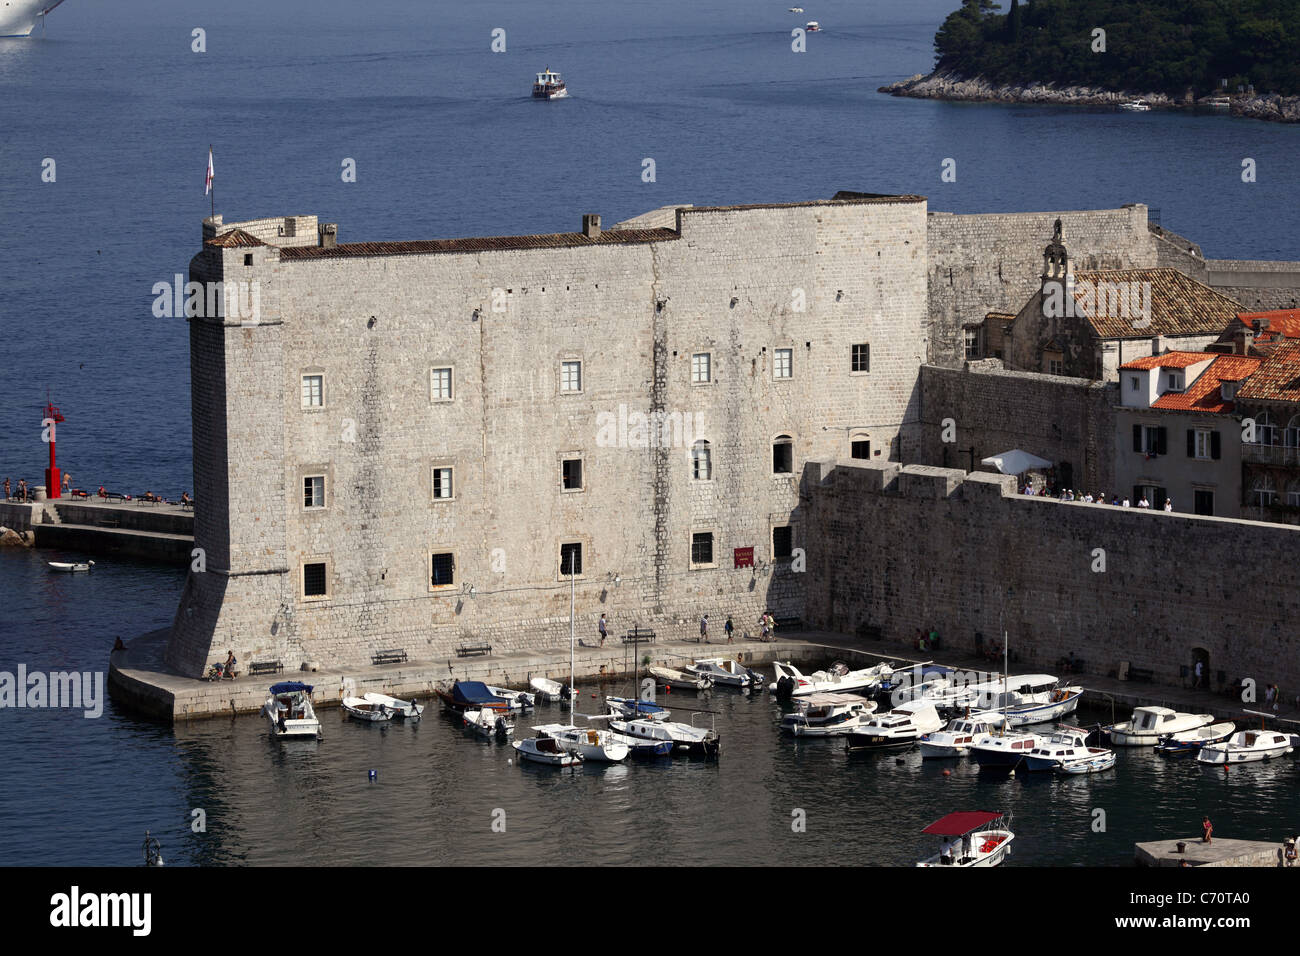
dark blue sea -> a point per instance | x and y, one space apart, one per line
447 142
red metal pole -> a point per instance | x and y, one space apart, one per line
52 476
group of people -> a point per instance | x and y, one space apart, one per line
766 624
23 493
1069 494
927 640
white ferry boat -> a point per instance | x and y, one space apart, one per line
549 86
19 17
1136 106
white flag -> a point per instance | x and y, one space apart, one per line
207 182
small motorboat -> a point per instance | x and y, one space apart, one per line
358 708
687 740
1065 746
796 9
406 709
960 735
597 745
897 729
519 700
1005 751
462 695
546 750
672 678
290 712
1246 746
1136 106
1097 760
1061 702
549 86
488 723
789 681
1191 741
70 566
971 838
725 672
827 715
812 26
1149 724
549 690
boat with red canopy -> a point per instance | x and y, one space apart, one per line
971 838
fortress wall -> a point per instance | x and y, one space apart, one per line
633 313
993 262
909 547
1061 419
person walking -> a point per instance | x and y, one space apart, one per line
763 628
22 489
603 628
704 629
1200 673
728 627
1207 829
1169 504
6 489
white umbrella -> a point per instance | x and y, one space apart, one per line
1016 462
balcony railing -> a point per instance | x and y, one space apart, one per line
1270 454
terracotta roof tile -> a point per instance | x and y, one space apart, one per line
234 239
1277 378
1179 304
478 244
1204 395
1170 360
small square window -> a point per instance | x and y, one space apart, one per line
571 376
440 385
313 491
861 448
702 548
313 391
442 488
1055 367
314 582
442 569
701 368
571 559
783 363
571 474
862 358
782 542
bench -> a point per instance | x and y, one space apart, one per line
392 656
265 667
470 650
639 637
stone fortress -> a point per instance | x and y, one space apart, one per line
412 444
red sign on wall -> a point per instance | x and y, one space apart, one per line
744 557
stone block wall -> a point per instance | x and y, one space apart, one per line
982 557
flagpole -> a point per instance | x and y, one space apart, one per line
212 186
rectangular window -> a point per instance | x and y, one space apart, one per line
570 559
314 580
861 448
313 491
1150 439
701 461
701 368
862 358
782 457
782 542
1204 502
783 363
1055 367
1202 443
442 569
440 385
571 474
1133 383
442 482
571 376
313 391
1175 381
702 547
972 336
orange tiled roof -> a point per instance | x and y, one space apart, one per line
1277 378
1204 395
1179 305
234 239
1283 324
1170 360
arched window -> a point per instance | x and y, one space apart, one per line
1262 491
701 461
783 455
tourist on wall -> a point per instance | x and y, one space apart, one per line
22 489
1169 504
603 629
67 483
6 489
1207 829
934 638
728 627
704 629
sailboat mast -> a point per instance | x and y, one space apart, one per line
573 693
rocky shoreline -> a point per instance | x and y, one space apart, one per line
945 86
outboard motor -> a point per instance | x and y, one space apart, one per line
785 688
755 680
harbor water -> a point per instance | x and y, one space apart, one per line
447 142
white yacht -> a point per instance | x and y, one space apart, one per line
1068 745
896 729
1021 712
726 672
19 17
971 838
1005 751
827 715
960 735
597 745
1246 746
791 682
686 739
1149 724
1136 106
290 711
